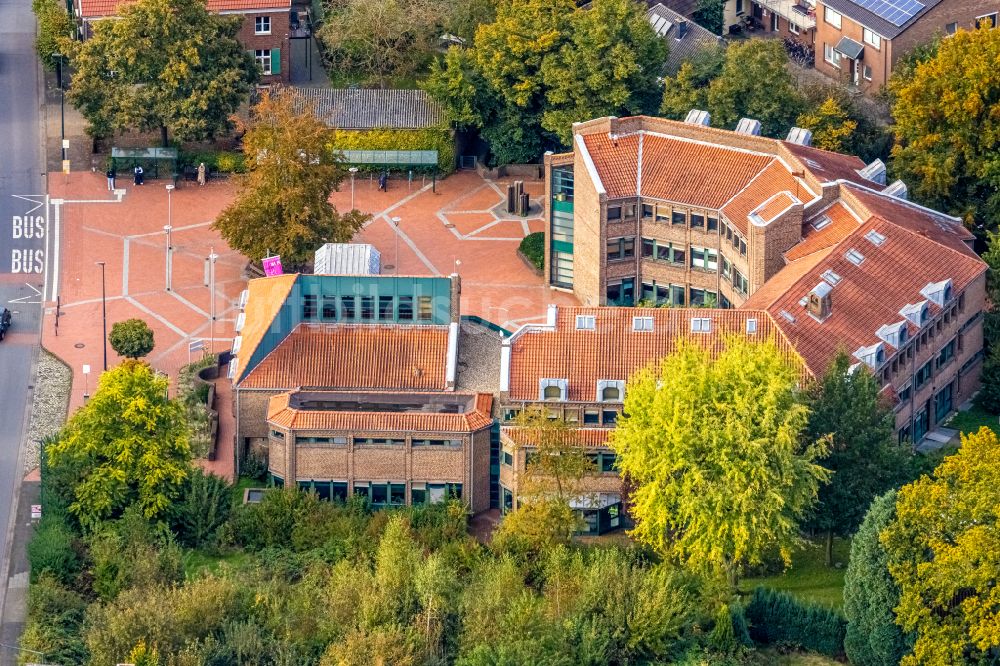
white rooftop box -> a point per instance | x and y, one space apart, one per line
347 259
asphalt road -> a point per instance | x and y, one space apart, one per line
22 246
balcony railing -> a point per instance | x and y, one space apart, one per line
798 13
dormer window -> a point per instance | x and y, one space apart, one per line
939 292
873 356
610 390
894 335
701 325
586 322
642 323
917 313
552 389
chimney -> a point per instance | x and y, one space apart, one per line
874 172
748 126
803 137
698 117
682 28
820 304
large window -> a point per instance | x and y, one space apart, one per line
831 55
621 292
923 375
872 38
263 58
309 307
947 354
662 251
704 258
981 20
262 25
740 283
621 248
832 17
942 403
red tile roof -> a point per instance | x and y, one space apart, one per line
770 180
337 356
105 8
842 222
613 351
690 172
866 296
588 437
827 166
279 413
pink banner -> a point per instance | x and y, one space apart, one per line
272 266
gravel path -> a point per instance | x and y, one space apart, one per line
48 410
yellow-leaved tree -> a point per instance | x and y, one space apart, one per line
942 552
715 450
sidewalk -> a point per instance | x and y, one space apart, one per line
80 153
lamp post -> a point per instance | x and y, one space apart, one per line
169 250
395 265
212 256
354 171
104 315
62 103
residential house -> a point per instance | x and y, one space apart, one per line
860 41
791 19
681 214
348 385
265 29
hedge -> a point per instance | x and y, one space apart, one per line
779 617
533 247
433 138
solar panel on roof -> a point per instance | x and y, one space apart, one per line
896 12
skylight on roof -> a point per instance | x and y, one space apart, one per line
821 222
831 277
751 325
875 237
788 316
854 257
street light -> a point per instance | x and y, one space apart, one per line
212 256
395 265
62 102
353 170
104 315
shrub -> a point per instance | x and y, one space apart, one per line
432 138
52 551
203 507
777 617
54 622
230 163
533 247
253 467
132 338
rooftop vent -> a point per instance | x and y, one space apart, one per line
897 189
854 257
820 303
821 222
874 172
748 126
698 117
831 277
801 136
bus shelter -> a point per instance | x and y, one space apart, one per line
407 162
152 161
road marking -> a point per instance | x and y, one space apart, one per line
24 299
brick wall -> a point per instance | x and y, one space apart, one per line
277 39
934 22
588 240
877 59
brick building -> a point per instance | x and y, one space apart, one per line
575 367
265 29
681 214
859 41
349 385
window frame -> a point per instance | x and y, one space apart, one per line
833 17
872 38
259 21
992 16
263 57
833 59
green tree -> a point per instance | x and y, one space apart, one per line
164 64
737 91
129 443
865 459
55 30
132 338
688 89
380 40
283 203
947 128
832 128
202 509
870 594
942 552
714 450
609 66
710 14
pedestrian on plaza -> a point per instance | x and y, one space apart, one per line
201 173
138 174
111 179
383 181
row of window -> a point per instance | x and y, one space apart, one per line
382 494
367 308
368 441
668 215
702 258
622 292
735 238
591 416
943 403
739 281
914 344
603 461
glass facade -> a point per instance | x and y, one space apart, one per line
561 236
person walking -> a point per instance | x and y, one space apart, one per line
201 173
382 182
138 174
111 179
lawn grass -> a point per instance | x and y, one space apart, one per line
198 561
242 484
972 420
809 578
